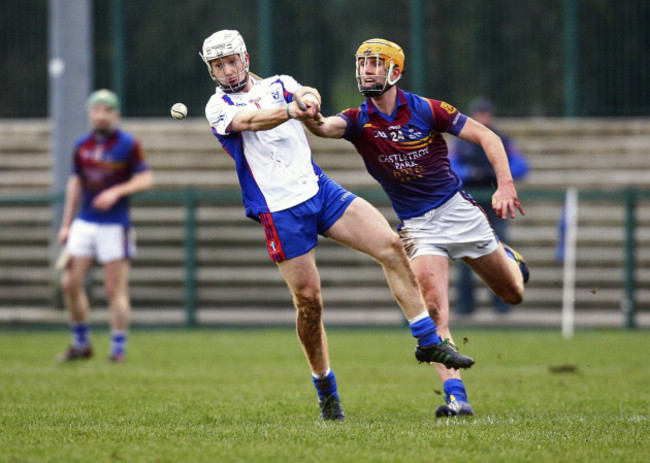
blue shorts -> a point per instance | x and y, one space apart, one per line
294 231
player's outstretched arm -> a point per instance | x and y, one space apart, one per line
258 119
504 200
331 127
327 127
265 119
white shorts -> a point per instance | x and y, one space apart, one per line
104 242
458 228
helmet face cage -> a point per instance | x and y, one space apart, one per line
380 50
220 45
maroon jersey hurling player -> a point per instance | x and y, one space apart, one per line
399 136
109 166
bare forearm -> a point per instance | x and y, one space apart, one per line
259 119
496 154
330 127
492 146
139 182
107 198
72 200
305 105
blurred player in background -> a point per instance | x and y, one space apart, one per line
470 163
399 137
109 166
257 122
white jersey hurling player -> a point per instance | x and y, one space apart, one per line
275 166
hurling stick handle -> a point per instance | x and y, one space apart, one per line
318 118
300 103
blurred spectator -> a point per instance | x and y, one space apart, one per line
471 164
109 166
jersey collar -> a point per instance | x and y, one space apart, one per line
401 101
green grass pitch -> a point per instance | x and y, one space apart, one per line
246 396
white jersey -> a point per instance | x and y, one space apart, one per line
275 166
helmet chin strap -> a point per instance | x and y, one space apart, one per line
233 88
374 91
378 89
237 87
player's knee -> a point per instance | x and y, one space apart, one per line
114 290
111 292
513 295
309 305
392 251
71 285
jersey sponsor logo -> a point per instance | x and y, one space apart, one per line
409 174
256 102
413 134
447 107
94 154
95 176
402 160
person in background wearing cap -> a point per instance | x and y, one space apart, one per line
399 136
257 122
473 167
108 166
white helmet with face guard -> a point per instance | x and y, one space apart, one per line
382 51
218 46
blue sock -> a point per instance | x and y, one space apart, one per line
455 387
80 334
425 331
326 386
118 342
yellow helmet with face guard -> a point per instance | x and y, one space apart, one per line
383 51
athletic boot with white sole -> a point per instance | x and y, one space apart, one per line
454 407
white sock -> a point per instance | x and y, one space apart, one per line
417 318
324 375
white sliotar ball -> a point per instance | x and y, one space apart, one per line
179 111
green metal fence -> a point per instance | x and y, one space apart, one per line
547 58
190 199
